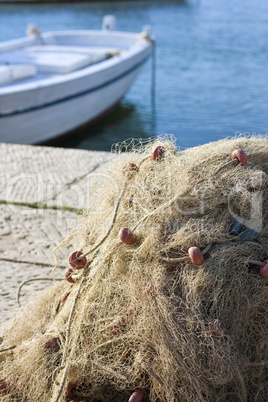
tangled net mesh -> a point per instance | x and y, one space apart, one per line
143 316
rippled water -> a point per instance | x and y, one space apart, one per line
211 66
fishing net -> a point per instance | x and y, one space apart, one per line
172 297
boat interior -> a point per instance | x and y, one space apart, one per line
52 55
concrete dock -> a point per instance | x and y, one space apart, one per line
42 191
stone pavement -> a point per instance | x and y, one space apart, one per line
41 191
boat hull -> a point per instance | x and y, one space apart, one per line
43 113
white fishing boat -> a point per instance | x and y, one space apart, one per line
53 83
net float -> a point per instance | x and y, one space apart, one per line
151 290
215 330
68 275
3 387
196 255
119 325
241 156
158 153
64 296
196 177
264 269
75 262
137 396
130 169
52 344
72 386
126 236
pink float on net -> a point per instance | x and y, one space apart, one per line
68 275
196 255
52 344
241 157
64 296
137 396
214 330
119 325
264 269
126 236
70 388
130 169
75 262
3 387
158 153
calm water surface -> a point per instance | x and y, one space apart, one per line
211 66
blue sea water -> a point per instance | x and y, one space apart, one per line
211 66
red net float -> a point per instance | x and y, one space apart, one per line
130 169
241 157
196 177
3 387
68 275
137 396
126 236
264 270
75 262
119 325
64 296
151 290
158 153
196 255
72 386
52 344
214 330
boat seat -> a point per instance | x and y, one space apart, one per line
12 73
56 59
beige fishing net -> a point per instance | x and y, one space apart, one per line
151 315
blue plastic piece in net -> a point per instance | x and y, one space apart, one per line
236 228
249 235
